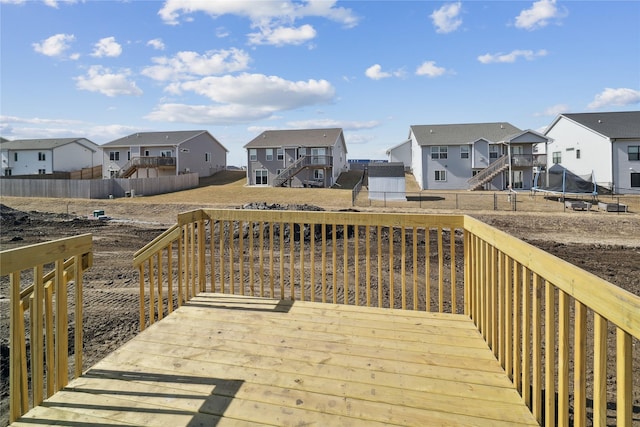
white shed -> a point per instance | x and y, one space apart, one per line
386 181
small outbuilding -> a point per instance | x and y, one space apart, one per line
386 181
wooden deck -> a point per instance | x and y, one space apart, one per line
231 360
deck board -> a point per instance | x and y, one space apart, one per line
228 360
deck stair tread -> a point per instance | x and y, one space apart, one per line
231 360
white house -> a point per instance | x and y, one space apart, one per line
386 181
45 156
472 156
400 153
296 157
606 144
153 154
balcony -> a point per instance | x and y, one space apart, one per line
147 163
278 317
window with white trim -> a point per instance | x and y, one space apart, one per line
318 174
41 156
253 155
269 154
280 153
464 151
439 152
261 176
494 151
114 156
207 157
441 175
42 171
556 157
633 152
635 180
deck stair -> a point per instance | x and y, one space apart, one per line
488 173
146 162
292 170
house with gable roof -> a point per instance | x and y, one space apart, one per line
48 155
154 154
296 158
606 144
471 156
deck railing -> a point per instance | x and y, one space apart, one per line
533 309
42 298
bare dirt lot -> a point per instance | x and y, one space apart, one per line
606 244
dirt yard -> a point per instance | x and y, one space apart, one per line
606 244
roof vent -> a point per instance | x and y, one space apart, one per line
430 130
264 135
325 135
599 121
501 126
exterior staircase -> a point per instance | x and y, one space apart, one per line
292 170
488 173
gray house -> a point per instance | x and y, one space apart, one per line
154 154
49 155
605 144
296 158
473 156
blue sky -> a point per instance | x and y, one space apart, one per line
106 69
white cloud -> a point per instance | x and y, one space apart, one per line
54 3
107 47
447 18
102 80
330 123
273 20
55 45
375 73
281 36
259 90
207 114
512 56
157 44
192 64
430 69
259 12
243 98
539 15
620 97
554 110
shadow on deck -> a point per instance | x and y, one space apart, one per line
223 359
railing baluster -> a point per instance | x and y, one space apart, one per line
563 358
391 268
345 263
232 257
526 337
440 272
301 244
312 287
334 262
599 370
624 379
292 260
517 326
37 342
281 234
169 251
201 256
549 355
367 249
403 267
252 278
415 266
158 276
356 264
323 268
580 365
379 235
453 295
536 359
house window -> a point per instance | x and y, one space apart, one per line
635 180
253 155
318 175
634 152
128 155
42 171
279 171
302 152
7 172
15 157
167 153
464 152
41 156
261 176
280 153
556 157
269 154
114 156
438 152
207 157
494 151
441 175
147 153
577 154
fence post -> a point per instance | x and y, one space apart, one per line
495 201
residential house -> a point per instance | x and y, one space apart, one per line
296 158
606 144
386 181
472 156
400 153
153 154
47 156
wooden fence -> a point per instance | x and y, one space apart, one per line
43 299
96 188
527 304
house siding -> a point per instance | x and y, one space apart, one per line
75 156
625 166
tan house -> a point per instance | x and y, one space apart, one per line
296 158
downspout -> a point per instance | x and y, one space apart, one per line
509 179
